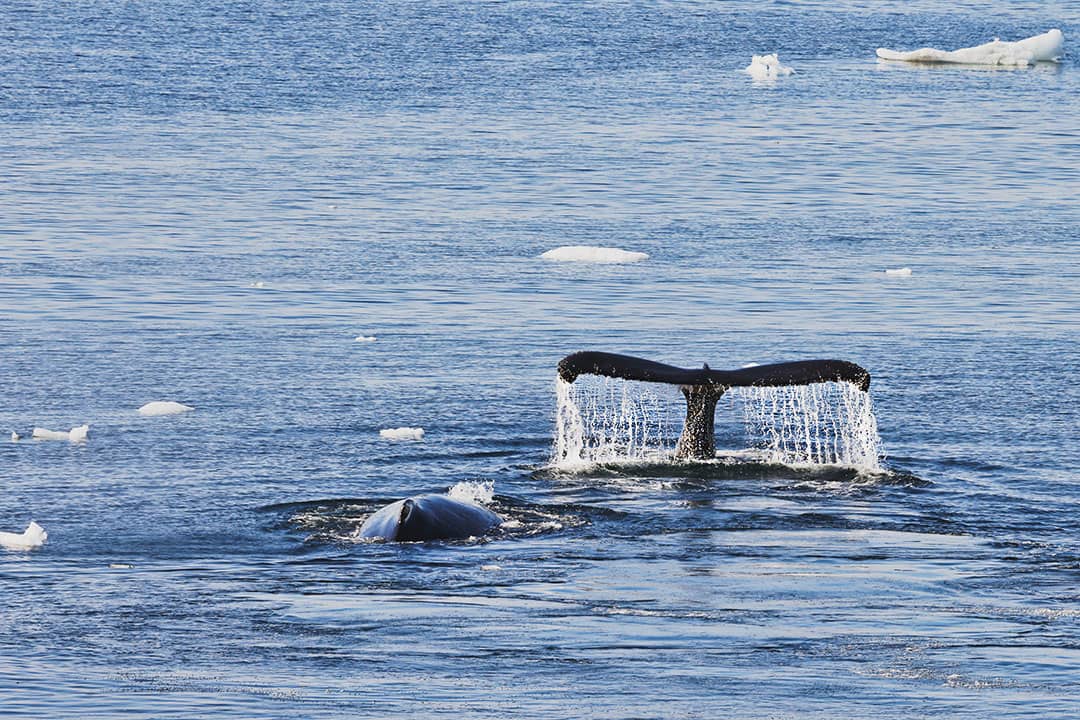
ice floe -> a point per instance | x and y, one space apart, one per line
767 67
76 434
899 272
34 536
164 407
591 254
15 437
1039 48
402 433
364 338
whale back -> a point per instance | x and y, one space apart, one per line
429 517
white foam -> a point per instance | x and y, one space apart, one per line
1039 48
767 67
591 254
34 536
164 407
480 492
365 338
76 434
402 433
899 272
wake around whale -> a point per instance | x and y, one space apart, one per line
703 388
429 517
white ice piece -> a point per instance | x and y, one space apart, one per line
15 437
34 536
76 434
365 338
592 254
899 272
1039 48
402 433
164 407
767 67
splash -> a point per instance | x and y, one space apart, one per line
606 420
819 424
480 492
603 420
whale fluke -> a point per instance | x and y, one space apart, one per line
799 372
429 517
703 388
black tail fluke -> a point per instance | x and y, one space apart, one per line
703 388
800 372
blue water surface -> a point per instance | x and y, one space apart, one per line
207 202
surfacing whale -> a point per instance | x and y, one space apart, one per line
429 517
703 388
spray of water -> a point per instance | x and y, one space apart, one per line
819 424
604 420
601 420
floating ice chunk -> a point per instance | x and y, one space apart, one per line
1040 48
15 437
591 254
365 338
402 433
479 492
34 536
258 284
120 566
767 67
76 434
899 272
491 568
164 407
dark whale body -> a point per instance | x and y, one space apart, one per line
429 517
703 388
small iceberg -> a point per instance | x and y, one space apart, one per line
899 272
402 433
591 254
34 536
364 338
15 437
1040 48
163 407
76 434
766 67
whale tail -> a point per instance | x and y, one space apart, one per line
702 388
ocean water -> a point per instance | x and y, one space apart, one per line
208 202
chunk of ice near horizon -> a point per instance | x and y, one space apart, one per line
899 272
1021 53
402 433
33 536
163 407
592 254
767 67
76 434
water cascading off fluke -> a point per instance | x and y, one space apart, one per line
794 426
